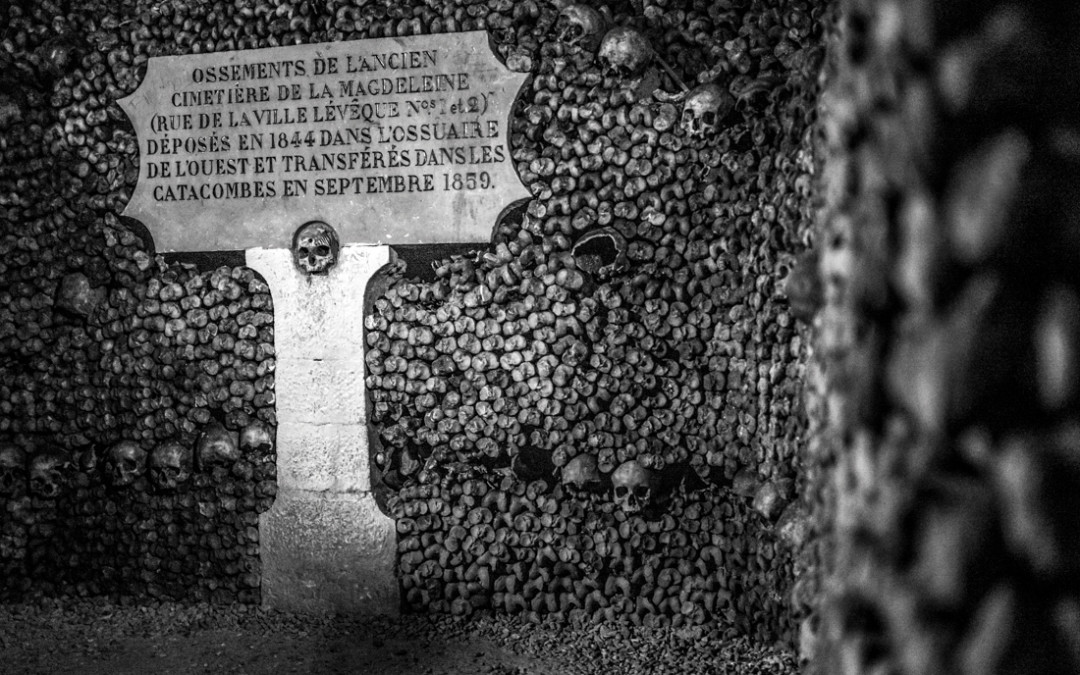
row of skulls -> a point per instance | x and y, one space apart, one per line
636 489
626 54
48 472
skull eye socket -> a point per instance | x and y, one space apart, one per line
322 251
709 117
640 491
621 490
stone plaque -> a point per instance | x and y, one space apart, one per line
390 140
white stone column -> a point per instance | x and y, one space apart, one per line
325 545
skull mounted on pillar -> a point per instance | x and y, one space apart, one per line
315 247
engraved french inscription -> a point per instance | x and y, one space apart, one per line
390 140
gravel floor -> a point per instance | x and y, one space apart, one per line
92 637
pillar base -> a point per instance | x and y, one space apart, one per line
328 552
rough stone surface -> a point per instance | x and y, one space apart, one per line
334 457
321 392
326 551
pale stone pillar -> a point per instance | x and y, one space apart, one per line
325 545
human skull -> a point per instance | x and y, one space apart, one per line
12 468
170 464
580 25
744 483
703 109
74 294
410 463
256 438
768 501
315 247
803 287
635 486
56 56
793 527
582 473
50 473
601 252
625 53
88 461
217 446
125 463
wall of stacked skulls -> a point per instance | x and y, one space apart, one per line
948 462
136 404
600 413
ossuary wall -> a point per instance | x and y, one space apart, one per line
600 412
